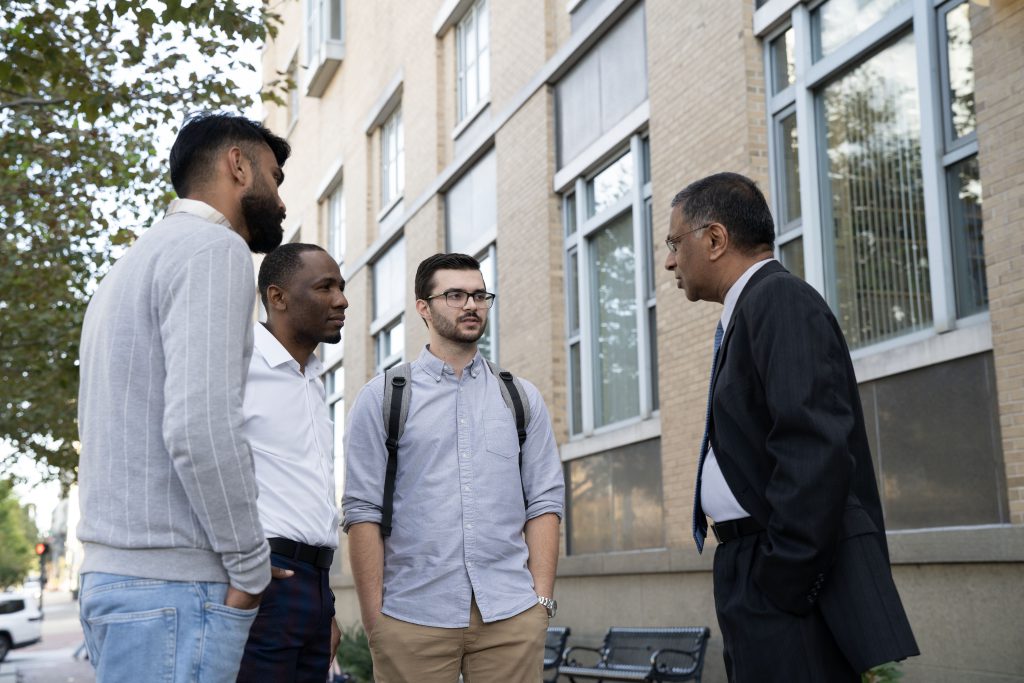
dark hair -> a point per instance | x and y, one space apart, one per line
430 265
204 134
734 201
280 265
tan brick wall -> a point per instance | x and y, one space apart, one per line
707 115
999 60
532 328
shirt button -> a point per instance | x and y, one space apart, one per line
469 563
469 526
465 455
466 487
462 421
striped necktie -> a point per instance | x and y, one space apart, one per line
700 522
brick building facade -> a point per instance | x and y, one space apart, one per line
548 138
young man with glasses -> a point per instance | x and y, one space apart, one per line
465 581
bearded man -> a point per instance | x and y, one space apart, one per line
175 557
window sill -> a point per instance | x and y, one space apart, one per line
469 118
386 211
615 436
327 61
922 349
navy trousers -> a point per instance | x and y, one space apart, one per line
290 641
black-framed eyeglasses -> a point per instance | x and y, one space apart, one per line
673 242
456 298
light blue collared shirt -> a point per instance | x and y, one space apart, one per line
459 511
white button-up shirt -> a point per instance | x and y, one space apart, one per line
291 434
716 498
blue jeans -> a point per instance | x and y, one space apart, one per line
153 630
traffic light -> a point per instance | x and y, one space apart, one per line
42 548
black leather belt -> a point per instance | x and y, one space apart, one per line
310 554
726 532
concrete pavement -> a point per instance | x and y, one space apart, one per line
50 660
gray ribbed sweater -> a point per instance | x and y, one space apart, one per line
167 486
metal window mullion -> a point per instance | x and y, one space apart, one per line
586 333
936 206
811 174
641 242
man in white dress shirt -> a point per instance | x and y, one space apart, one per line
287 423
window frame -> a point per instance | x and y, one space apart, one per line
578 244
464 110
385 321
336 223
323 53
922 19
392 136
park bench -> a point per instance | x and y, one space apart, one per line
554 646
640 654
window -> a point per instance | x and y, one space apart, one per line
325 42
473 68
868 208
471 217
614 500
877 198
336 224
334 387
608 83
611 320
392 159
293 94
388 326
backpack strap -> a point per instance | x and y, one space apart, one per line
397 381
515 399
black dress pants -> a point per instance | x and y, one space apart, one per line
764 644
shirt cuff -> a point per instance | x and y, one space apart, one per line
542 508
359 516
249 572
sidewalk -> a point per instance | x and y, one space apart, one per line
51 659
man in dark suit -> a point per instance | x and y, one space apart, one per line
803 588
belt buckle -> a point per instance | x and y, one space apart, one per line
714 530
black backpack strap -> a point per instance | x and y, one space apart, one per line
397 386
515 399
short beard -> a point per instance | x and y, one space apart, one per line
263 219
450 331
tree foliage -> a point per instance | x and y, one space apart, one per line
17 536
85 89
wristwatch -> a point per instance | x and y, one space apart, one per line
549 604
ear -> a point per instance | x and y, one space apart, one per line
718 237
423 308
277 299
238 165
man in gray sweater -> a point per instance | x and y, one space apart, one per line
175 557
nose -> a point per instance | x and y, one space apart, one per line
670 260
470 303
341 301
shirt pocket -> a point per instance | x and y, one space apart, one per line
500 436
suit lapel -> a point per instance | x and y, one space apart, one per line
756 279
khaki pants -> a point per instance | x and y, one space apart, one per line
506 651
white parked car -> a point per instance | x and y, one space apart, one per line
20 621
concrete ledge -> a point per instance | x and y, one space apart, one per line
1003 543
996 543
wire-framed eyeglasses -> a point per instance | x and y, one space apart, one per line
456 298
673 242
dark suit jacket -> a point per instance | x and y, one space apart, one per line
788 432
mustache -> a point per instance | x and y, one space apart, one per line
469 316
